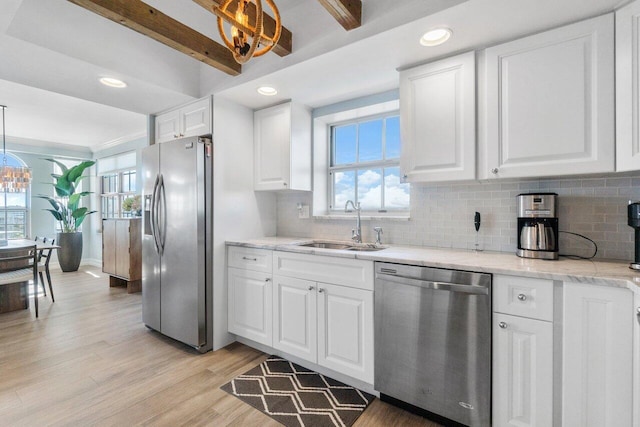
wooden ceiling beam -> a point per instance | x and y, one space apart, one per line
347 12
285 44
149 21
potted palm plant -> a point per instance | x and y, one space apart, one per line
68 212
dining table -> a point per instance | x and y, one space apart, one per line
16 296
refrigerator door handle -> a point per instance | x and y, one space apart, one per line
153 220
163 226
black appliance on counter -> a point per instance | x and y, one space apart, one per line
537 225
633 213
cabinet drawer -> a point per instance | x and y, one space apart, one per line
250 259
356 273
523 296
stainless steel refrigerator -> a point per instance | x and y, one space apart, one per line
177 240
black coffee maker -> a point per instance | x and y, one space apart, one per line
537 226
633 214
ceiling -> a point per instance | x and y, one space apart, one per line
53 53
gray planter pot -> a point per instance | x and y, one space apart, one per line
70 252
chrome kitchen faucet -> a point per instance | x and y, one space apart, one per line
356 234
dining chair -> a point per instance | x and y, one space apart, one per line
19 265
43 266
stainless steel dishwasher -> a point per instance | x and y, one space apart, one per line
433 341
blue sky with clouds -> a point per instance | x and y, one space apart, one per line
371 182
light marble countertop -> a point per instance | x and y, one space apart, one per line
607 273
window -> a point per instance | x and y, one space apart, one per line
365 164
16 208
116 189
117 185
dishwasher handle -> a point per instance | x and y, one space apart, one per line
439 286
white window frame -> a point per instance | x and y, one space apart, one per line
119 195
321 161
356 166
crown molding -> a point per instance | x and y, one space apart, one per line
114 142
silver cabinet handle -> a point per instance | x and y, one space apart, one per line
522 297
321 290
311 288
249 259
494 171
638 314
503 325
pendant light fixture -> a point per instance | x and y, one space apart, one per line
13 179
242 30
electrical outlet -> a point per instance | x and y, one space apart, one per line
303 212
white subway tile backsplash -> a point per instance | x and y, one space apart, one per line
442 215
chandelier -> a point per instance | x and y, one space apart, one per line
13 179
242 30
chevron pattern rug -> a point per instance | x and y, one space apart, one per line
296 396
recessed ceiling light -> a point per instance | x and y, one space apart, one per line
435 37
112 82
267 90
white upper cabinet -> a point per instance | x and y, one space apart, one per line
627 83
192 119
438 120
282 148
548 106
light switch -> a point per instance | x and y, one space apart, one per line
303 212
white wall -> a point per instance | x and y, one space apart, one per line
239 212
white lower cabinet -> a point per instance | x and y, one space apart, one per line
345 330
523 371
636 361
250 305
294 317
295 312
522 351
597 359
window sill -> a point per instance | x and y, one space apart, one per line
398 217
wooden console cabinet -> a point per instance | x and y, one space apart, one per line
122 252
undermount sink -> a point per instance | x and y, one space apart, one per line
365 248
344 246
326 245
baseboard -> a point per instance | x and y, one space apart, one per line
91 262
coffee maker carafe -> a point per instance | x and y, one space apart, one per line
537 226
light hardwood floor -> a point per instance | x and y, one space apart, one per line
88 360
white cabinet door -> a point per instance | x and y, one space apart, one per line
627 84
294 317
167 126
195 118
549 107
522 372
282 148
438 120
250 305
636 361
597 373
272 138
345 330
